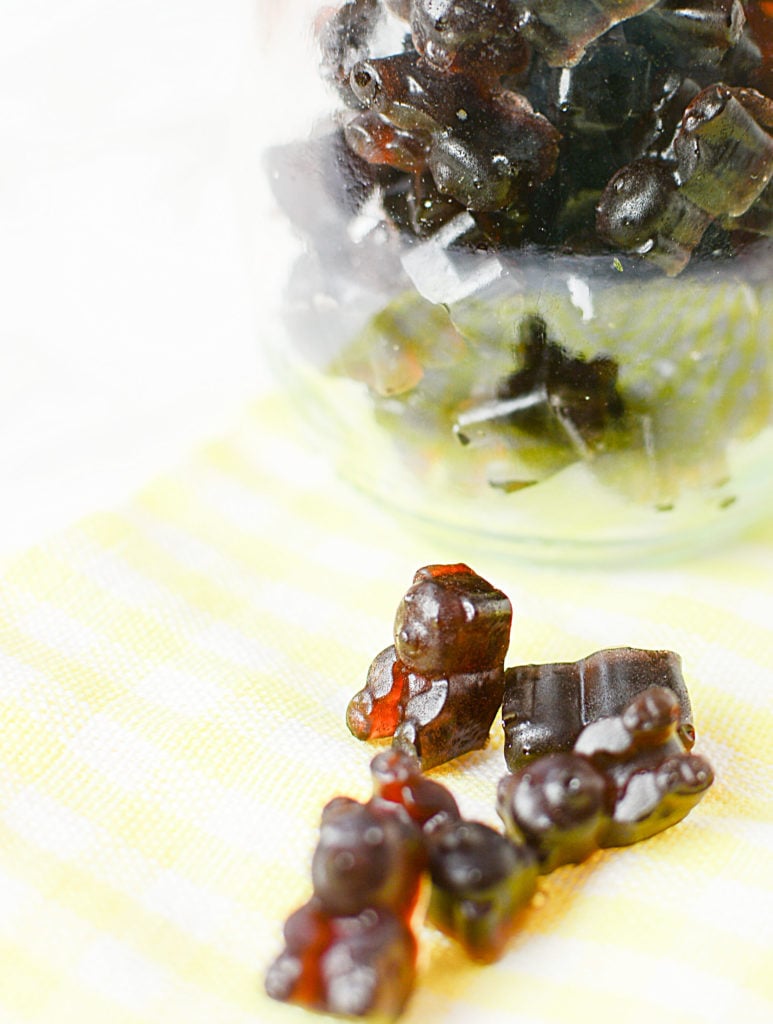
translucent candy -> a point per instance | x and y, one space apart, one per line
476 36
628 777
546 707
656 779
560 805
561 30
690 34
349 950
439 687
644 210
365 857
398 780
724 149
358 966
480 883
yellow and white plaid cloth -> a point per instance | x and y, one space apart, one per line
173 678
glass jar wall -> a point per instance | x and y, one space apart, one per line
532 296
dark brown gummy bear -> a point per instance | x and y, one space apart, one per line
366 857
452 620
356 966
643 209
439 688
545 707
480 882
560 805
561 31
644 756
629 777
724 149
349 950
564 394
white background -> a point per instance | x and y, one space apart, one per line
139 255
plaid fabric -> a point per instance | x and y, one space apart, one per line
173 678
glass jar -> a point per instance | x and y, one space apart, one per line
532 292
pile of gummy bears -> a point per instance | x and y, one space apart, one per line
640 125
599 752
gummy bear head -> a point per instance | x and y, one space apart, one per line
451 621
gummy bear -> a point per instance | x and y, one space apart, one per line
410 93
414 204
356 966
439 687
644 210
690 34
482 149
560 805
724 149
349 949
365 857
546 707
377 141
485 160
480 882
628 777
609 89
656 779
553 395
344 39
562 30
474 36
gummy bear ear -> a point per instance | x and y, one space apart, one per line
431 572
394 765
336 807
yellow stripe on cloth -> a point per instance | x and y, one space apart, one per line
173 679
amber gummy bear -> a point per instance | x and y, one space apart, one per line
350 950
363 965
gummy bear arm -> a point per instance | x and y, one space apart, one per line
376 710
642 795
606 736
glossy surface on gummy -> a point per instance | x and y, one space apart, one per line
719 167
349 950
519 192
560 805
438 689
363 965
546 707
555 392
594 81
399 780
365 857
561 31
656 779
480 882
628 777
452 620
